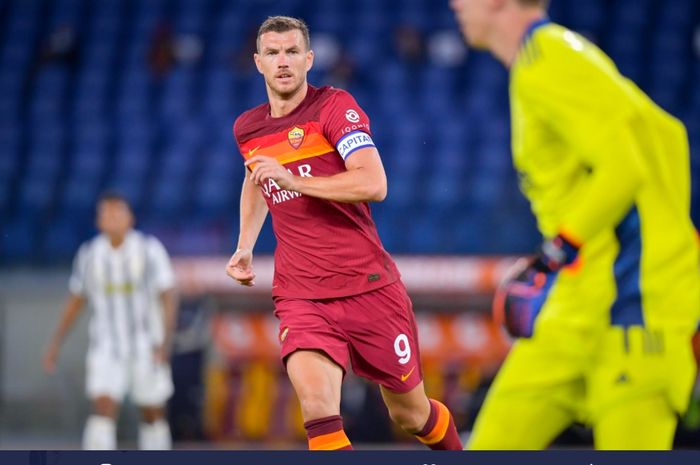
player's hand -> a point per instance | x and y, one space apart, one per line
50 359
520 297
269 168
161 354
240 267
524 289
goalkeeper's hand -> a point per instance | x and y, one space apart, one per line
522 293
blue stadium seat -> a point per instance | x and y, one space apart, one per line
633 12
589 17
215 196
218 93
44 160
18 241
88 164
65 12
427 233
444 189
442 132
177 93
36 196
9 141
79 196
169 196
468 231
5 196
62 239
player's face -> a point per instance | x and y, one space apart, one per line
474 18
114 218
284 61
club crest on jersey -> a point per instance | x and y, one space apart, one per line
296 137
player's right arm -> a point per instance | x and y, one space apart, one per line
72 309
253 213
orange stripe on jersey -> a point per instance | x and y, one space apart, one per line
440 429
331 441
313 146
279 145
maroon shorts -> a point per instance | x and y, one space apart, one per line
375 332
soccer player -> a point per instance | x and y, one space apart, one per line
337 292
606 311
125 277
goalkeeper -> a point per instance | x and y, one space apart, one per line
605 313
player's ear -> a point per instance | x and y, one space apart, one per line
309 59
256 58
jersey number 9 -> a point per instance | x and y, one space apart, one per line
402 348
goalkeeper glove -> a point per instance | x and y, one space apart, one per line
555 254
522 293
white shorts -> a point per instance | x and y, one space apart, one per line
146 382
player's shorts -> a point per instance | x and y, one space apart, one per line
638 362
614 366
147 383
375 332
564 375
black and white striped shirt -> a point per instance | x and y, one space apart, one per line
122 286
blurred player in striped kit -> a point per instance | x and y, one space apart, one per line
606 311
125 277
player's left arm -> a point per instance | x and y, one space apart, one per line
164 282
363 181
169 302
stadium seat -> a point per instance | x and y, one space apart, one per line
442 131
18 241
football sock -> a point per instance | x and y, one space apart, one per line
439 432
100 433
155 436
327 434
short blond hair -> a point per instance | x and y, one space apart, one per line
283 24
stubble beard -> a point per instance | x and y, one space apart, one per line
285 94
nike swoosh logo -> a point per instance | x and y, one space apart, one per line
252 151
405 377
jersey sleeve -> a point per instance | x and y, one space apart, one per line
76 283
583 98
236 134
344 124
160 271
578 91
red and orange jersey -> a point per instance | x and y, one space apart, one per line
325 249
299 143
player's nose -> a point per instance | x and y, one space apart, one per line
280 58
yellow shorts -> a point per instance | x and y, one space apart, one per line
565 375
637 362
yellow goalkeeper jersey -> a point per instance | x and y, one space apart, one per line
605 166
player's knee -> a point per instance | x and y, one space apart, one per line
410 420
105 407
318 405
152 414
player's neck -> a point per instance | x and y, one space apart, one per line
117 240
283 105
510 31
